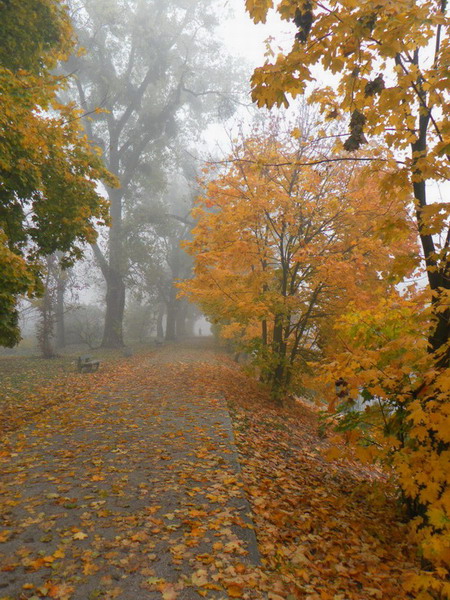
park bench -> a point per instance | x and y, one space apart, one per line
87 365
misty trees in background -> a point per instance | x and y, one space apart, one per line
52 307
60 293
46 311
156 259
159 75
83 325
178 267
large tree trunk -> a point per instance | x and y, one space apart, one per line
113 273
439 337
115 306
438 274
60 334
171 323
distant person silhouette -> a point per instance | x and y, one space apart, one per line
200 331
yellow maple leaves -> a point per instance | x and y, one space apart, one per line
390 64
405 421
286 246
258 9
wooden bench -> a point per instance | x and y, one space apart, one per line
87 365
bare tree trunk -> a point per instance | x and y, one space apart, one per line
171 317
115 306
115 286
46 309
112 270
60 337
438 274
159 321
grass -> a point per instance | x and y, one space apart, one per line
30 384
23 374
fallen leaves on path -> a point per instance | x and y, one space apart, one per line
132 491
326 530
32 386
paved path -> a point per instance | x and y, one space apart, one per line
134 493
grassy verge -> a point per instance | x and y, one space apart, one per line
30 385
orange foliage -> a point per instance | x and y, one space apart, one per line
280 249
389 66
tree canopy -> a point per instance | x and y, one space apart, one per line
389 62
281 248
48 170
386 65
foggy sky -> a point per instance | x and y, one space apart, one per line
244 38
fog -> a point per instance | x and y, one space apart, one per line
163 87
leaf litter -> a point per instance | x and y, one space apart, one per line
133 490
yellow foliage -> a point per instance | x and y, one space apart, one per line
386 348
281 247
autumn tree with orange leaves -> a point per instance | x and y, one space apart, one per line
389 62
281 249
